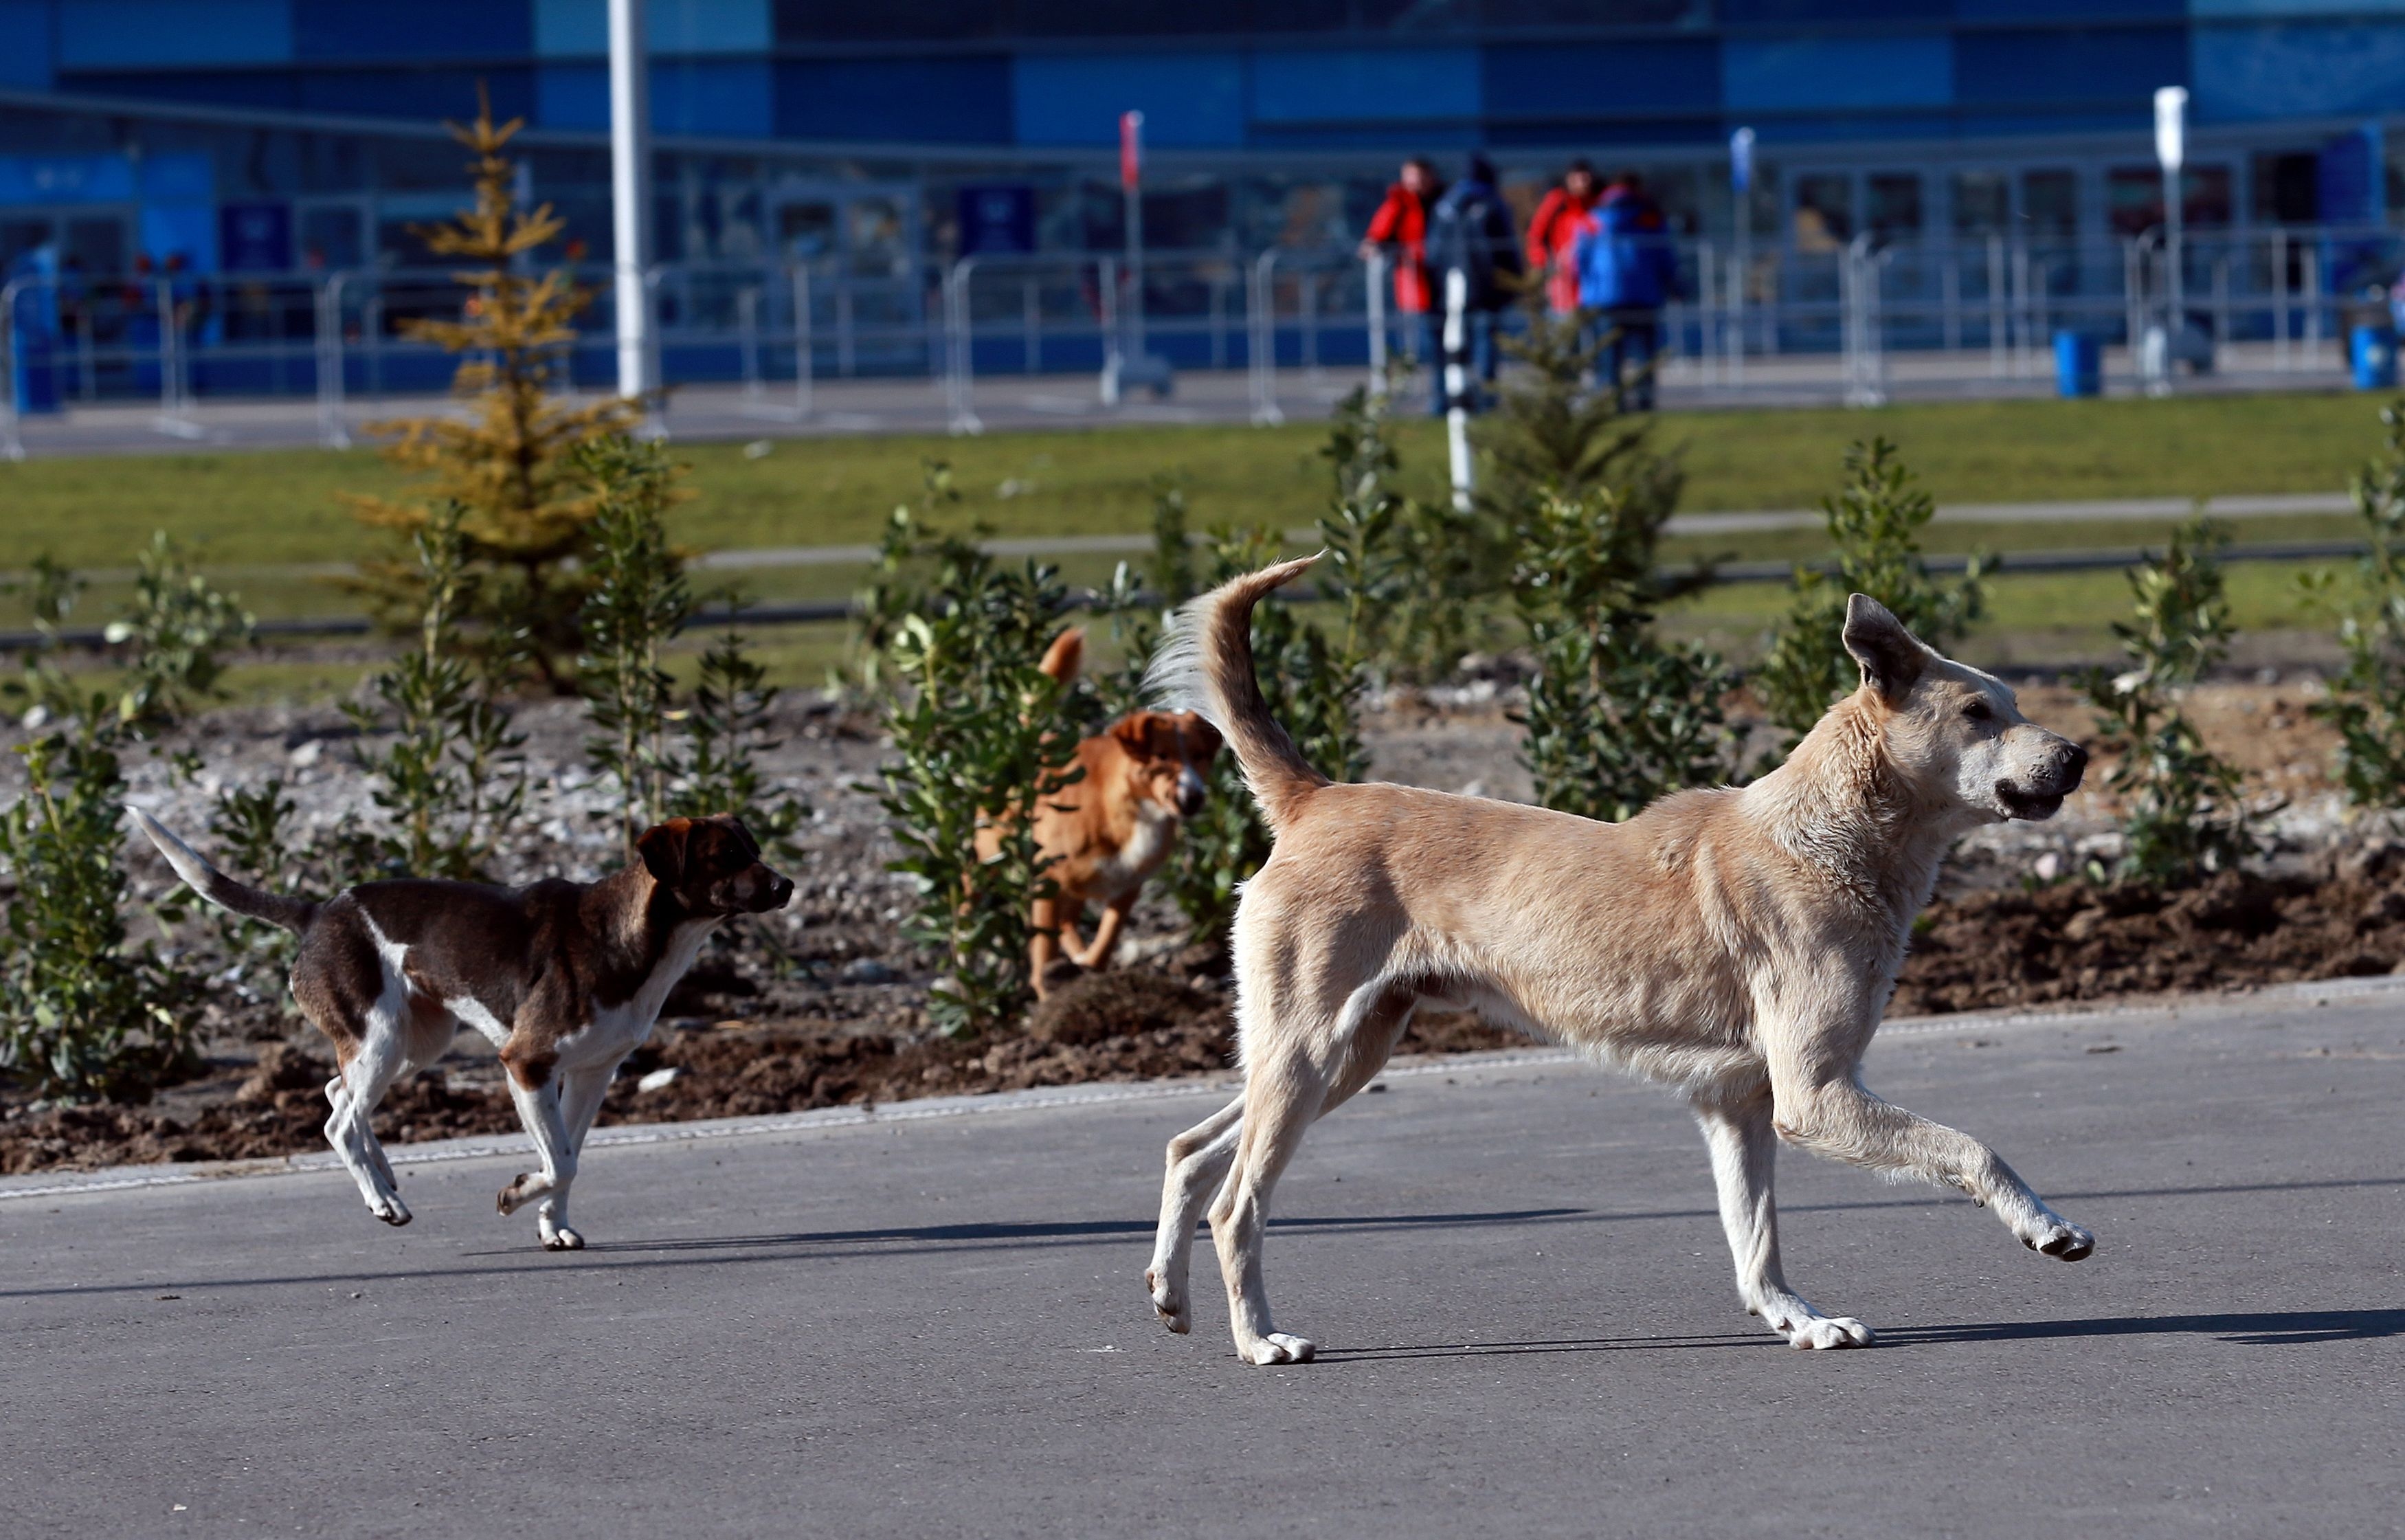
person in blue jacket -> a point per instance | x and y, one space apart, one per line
1470 232
1627 271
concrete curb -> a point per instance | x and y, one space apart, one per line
493 1146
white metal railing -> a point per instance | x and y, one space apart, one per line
1989 302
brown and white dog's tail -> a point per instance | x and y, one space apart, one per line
293 914
1204 664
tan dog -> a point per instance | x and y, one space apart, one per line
1739 944
1112 829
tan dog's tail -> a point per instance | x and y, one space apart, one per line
293 914
1205 664
1061 659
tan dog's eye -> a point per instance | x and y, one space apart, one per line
1979 710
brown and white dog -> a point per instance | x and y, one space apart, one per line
1109 831
1737 944
564 977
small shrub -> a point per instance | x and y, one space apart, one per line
638 602
726 729
84 1011
1406 572
2367 702
1616 717
2183 811
978 743
1874 523
908 562
1554 435
451 780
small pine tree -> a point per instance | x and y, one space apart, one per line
1554 435
1874 523
508 466
2183 812
726 729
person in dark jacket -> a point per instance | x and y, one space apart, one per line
1470 232
1400 229
1627 271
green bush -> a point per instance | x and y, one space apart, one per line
638 601
1876 524
83 1009
2183 809
980 740
1616 717
450 781
2367 702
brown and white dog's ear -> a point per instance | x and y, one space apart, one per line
662 847
1137 733
1891 657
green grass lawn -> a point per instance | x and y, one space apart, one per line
284 506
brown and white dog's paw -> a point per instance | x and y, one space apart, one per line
523 1189
1824 1332
391 1211
561 1239
2062 1239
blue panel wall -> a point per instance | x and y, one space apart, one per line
1355 85
710 26
2068 10
727 97
119 34
1188 99
1801 74
271 89
2084 65
25 60
960 100
571 95
1788 12
1585 81
418 93
2247 8
416 29
2298 69
571 29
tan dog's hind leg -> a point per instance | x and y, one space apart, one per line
1744 1150
1198 1164
1044 916
1833 1115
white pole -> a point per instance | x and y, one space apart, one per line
1457 385
630 195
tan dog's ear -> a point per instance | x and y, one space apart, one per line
662 848
1892 658
1202 741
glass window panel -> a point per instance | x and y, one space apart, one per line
1983 203
1825 211
1894 206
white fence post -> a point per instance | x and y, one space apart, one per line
1260 318
960 367
333 426
1373 274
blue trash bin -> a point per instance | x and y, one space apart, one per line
2078 365
2372 351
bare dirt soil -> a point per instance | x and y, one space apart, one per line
823 1004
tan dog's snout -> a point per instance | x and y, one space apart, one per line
2055 775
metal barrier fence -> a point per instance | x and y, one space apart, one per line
1985 306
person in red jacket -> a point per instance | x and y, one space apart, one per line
1401 227
1554 229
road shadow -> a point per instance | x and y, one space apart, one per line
2252 1329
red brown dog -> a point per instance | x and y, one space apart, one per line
564 977
1111 830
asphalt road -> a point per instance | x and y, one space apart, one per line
1514 1273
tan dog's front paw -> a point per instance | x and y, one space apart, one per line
1168 1303
1277 1347
2063 1239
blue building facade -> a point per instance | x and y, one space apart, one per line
254 135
